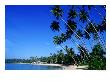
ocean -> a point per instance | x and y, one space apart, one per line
30 67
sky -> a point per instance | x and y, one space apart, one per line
28 33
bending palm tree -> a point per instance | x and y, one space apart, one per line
70 24
72 14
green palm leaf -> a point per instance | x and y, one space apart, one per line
55 26
71 24
83 15
72 14
57 11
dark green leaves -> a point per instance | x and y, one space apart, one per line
57 11
55 26
98 50
92 29
69 33
83 15
84 54
57 40
72 14
79 34
60 39
71 24
74 28
63 37
97 61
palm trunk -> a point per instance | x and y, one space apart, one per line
100 39
77 45
66 51
72 30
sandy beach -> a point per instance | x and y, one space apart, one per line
69 67
74 67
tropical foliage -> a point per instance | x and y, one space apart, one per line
80 26
84 33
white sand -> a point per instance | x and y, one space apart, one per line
69 67
49 64
74 67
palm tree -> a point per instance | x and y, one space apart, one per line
63 37
72 14
70 55
68 33
83 15
93 32
71 24
57 11
60 58
79 33
57 41
98 59
84 57
92 29
55 26
96 34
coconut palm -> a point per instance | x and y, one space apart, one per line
68 33
55 26
60 58
95 27
70 55
63 37
72 14
57 40
57 11
71 25
97 60
83 15
84 57
79 33
92 29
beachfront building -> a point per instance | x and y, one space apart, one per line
39 62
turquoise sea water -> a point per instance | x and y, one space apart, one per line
30 67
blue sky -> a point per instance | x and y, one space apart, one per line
28 31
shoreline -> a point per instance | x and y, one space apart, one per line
65 67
